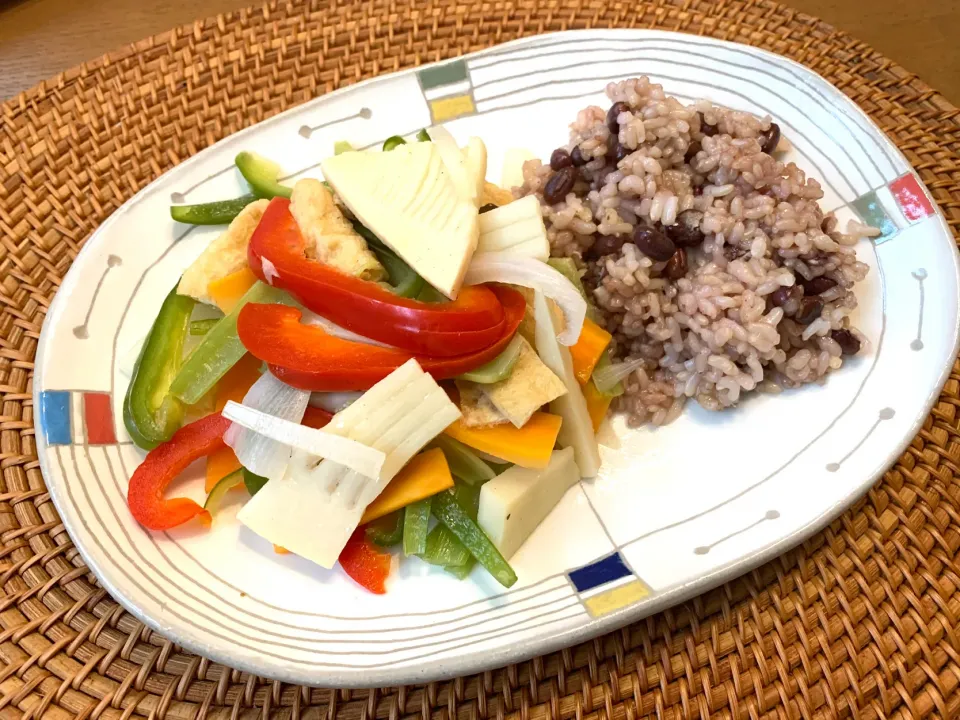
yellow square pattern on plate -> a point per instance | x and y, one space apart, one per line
450 107
619 597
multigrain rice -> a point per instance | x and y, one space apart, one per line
765 301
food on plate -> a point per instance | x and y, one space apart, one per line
515 502
341 300
398 366
214 213
529 446
332 239
707 257
576 431
151 413
516 228
314 505
513 162
224 256
162 465
529 386
411 200
423 477
476 409
227 292
493 196
262 175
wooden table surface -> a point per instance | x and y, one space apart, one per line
39 38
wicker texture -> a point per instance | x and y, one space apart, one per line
862 621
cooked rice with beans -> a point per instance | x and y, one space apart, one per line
708 257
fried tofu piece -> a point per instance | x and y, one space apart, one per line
528 326
530 386
475 407
224 256
495 195
330 237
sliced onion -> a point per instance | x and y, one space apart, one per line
331 328
334 401
362 458
259 454
607 377
531 273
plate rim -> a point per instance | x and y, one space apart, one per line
472 662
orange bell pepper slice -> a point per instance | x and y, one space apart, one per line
227 291
589 347
597 404
529 446
424 476
232 386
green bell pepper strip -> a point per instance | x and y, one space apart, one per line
568 268
423 136
467 497
139 440
261 175
444 549
363 231
603 362
403 280
386 531
202 327
460 572
416 523
393 142
342 146
500 367
220 212
431 295
150 413
464 464
448 511
253 482
220 348
219 491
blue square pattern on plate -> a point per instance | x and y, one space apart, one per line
599 573
55 416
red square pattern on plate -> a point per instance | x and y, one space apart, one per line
98 419
911 198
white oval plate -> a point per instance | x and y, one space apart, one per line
676 510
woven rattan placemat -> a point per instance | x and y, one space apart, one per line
861 621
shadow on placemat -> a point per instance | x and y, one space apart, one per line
860 621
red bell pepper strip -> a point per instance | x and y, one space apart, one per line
365 563
471 322
316 418
163 464
308 358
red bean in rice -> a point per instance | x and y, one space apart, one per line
714 333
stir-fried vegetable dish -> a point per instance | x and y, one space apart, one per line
383 363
